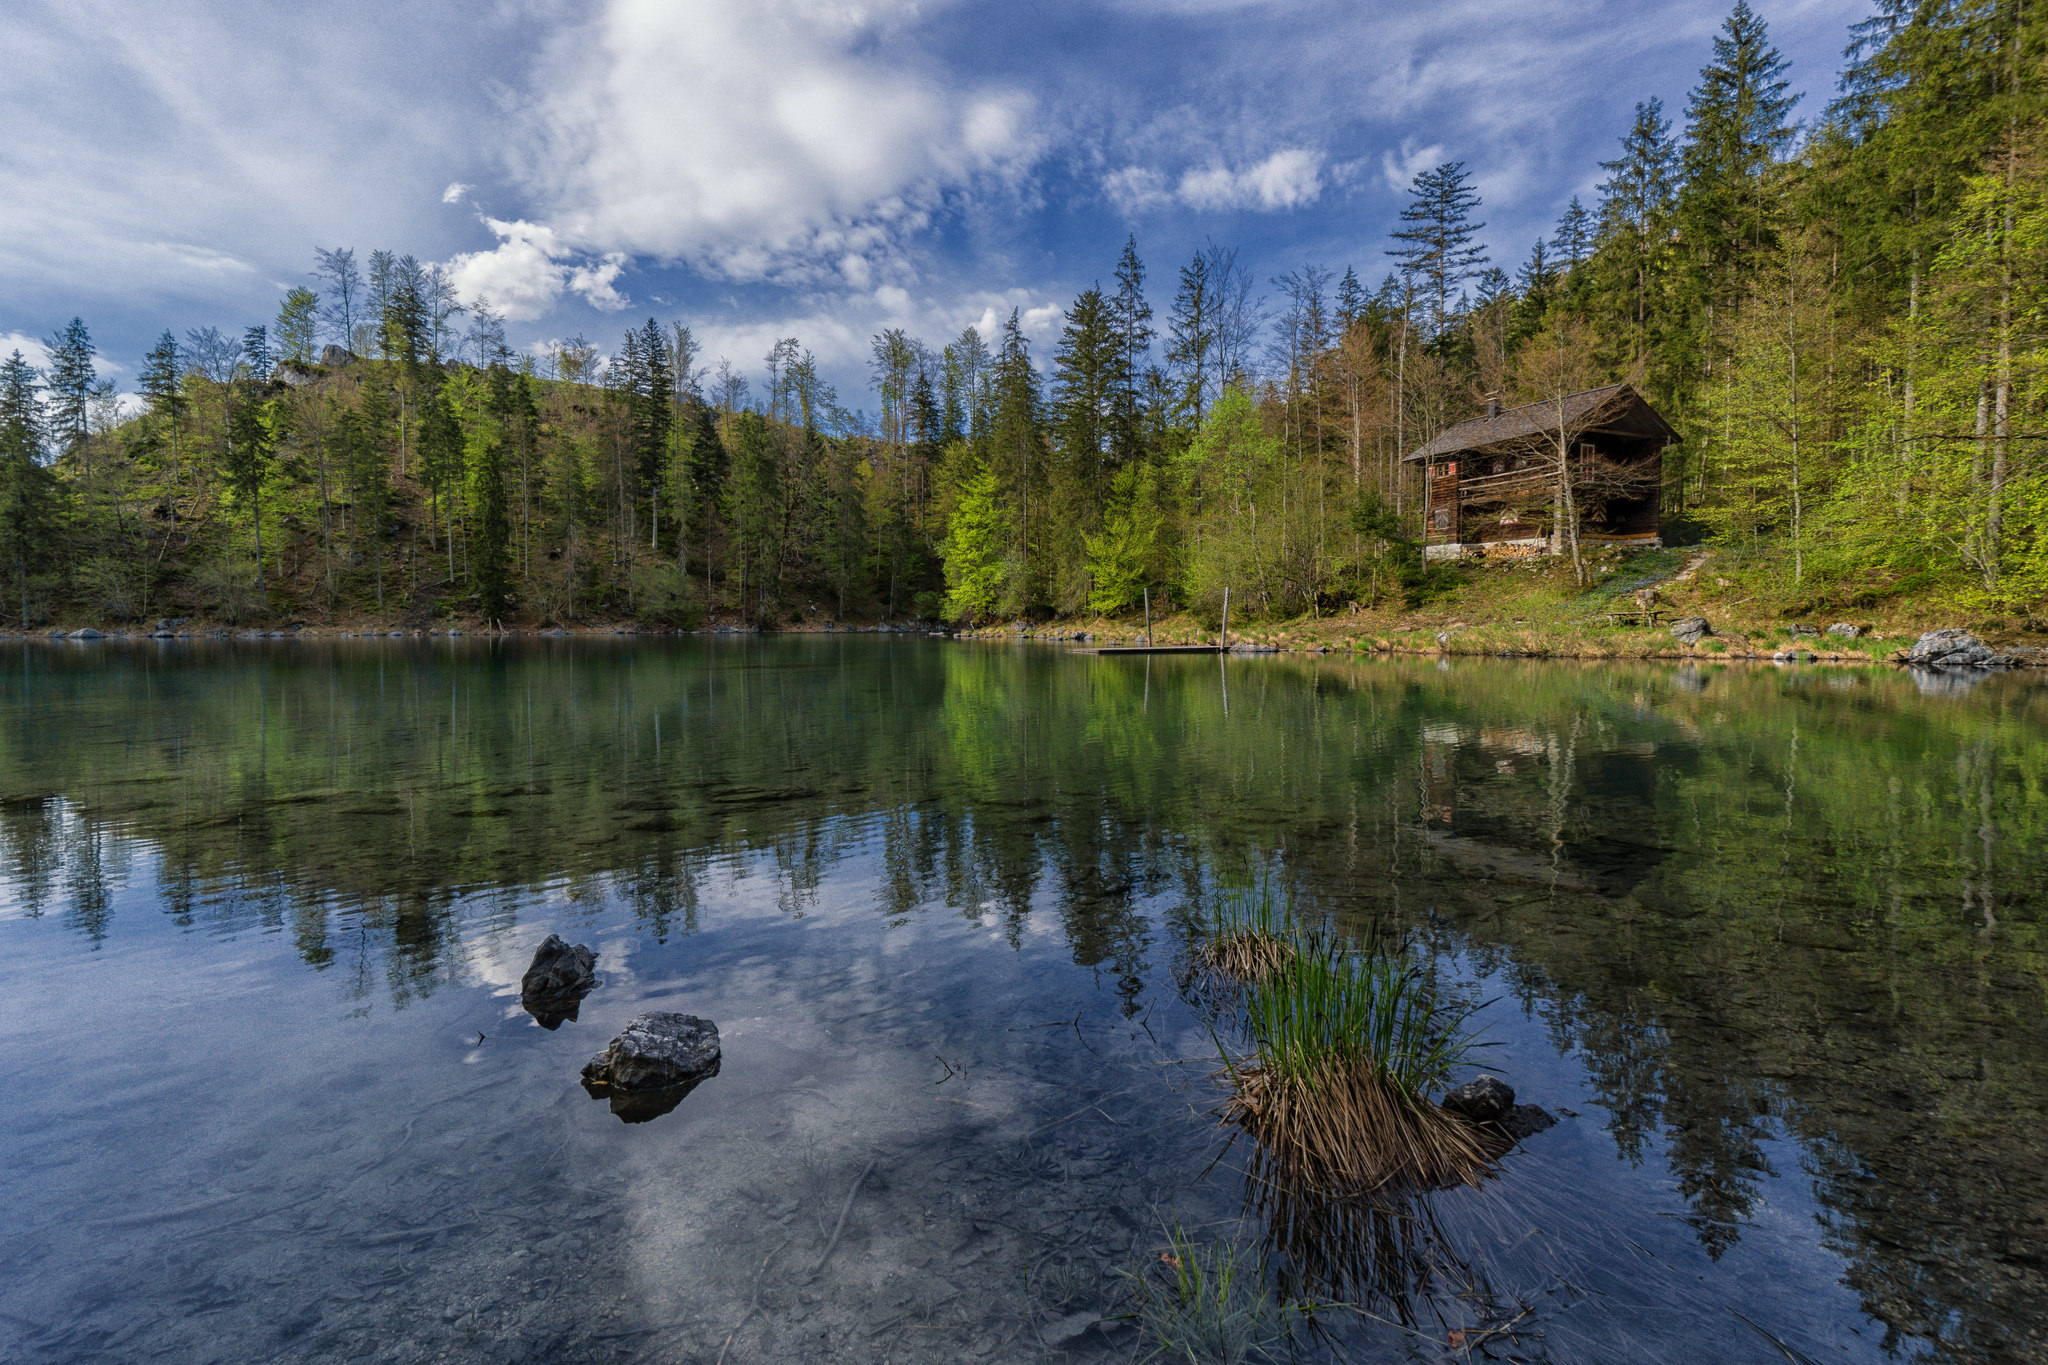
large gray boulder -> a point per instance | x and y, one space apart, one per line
554 986
1691 630
1843 630
656 1061
1952 648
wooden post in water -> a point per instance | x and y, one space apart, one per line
1148 616
1223 640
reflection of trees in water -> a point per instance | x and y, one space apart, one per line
1750 906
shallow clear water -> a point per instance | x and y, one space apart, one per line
1769 944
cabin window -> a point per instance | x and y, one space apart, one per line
1451 470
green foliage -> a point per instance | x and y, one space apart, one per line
978 571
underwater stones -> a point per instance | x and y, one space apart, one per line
1691 630
1483 1101
554 986
653 1063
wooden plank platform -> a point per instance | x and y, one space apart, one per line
1156 649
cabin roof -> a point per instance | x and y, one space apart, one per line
1616 405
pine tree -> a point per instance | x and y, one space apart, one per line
252 433
1437 244
1191 330
70 384
441 450
163 388
256 358
491 553
30 497
1635 206
1130 323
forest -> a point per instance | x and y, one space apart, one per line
1845 316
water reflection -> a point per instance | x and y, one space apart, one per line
1767 918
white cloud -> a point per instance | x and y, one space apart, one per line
527 273
753 137
1400 171
32 350
1287 179
453 194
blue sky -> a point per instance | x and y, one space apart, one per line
767 168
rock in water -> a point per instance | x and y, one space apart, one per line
653 1064
1691 630
554 986
1947 648
1482 1101
1524 1120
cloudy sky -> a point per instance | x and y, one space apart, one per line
765 168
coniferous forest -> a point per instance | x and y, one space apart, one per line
1841 304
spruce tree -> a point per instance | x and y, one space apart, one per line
491 553
1438 247
163 388
70 385
1191 332
29 494
1130 324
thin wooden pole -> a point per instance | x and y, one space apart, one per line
1224 641
1148 616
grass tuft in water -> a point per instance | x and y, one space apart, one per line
1250 933
1210 1304
1347 1050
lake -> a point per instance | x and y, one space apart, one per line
1768 943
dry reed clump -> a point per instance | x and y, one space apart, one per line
1346 1050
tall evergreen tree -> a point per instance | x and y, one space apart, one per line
1437 243
29 494
256 357
491 554
70 383
1192 334
1130 322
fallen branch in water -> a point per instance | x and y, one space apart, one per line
753 1304
844 1209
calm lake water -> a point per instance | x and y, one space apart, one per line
1769 944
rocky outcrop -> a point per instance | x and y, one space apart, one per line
1953 649
1842 630
334 357
1691 630
554 985
652 1064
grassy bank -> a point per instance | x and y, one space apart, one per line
1537 609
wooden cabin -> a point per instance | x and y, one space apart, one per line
1496 485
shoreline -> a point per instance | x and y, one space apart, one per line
2023 658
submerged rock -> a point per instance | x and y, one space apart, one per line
1482 1101
656 1061
1525 1120
554 986
1691 630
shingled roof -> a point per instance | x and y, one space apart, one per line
1581 411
